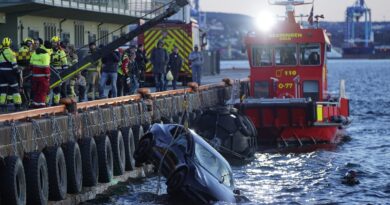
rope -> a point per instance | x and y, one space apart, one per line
56 131
86 124
16 137
114 117
102 124
38 132
126 116
145 112
165 153
71 127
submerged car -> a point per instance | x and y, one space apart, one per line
193 168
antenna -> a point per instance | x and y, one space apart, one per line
290 4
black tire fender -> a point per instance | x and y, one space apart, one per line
90 163
56 167
118 152
144 148
13 186
128 139
105 158
138 132
74 167
37 178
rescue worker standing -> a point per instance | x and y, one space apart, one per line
40 68
122 86
23 60
134 74
109 73
9 74
59 62
159 59
93 74
141 60
196 59
174 65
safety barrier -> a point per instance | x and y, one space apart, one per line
100 137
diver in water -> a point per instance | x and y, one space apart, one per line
350 178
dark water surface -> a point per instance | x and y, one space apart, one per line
315 177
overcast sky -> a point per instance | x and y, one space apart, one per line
333 10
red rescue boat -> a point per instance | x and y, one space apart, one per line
288 97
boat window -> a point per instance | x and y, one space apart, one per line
311 89
262 56
286 54
219 169
261 89
310 54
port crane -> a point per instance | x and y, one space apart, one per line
353 15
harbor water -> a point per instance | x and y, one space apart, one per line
311 176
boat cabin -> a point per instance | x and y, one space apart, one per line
288 62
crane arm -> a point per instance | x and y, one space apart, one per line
173 8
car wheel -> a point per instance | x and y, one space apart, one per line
176 180
144 149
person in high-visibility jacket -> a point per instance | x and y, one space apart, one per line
40 67
121 84
93 74
23 60
9 73
59 62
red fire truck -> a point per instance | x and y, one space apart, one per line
173 33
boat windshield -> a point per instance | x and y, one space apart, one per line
310 54
216 167
286 54
262 56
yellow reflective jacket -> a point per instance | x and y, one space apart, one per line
7 58
59 59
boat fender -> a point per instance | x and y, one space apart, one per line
242 126
104 150
89 158
36 178
13 186
56 166
74 167
128 140
118 152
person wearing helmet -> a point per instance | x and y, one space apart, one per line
9 74
23 60
40 69
159 59
59 62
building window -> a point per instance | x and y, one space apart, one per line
34 34
65 37
79 34
91 37
103 37
50 30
